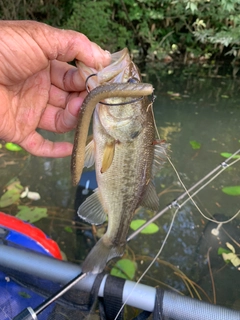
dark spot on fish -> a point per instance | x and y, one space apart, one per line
135 134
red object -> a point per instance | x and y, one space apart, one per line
32 232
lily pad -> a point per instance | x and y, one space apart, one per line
31 214
232 190
223 250
14 184
125 269
228 155
195 145
232 256
9 197
150 229
12 193
12 146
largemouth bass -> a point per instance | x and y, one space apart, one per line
125 152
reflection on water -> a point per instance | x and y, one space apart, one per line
188 107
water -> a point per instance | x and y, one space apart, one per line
195 104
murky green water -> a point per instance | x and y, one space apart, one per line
190 106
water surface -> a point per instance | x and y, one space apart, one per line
195 104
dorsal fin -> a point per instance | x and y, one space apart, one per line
160 155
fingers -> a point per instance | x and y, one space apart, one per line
66 77
62 120
67 45
60 98
38 146
79 47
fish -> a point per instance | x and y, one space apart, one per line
124 149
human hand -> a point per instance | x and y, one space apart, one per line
38 88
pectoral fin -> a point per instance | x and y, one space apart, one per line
150 198
108 155
91 210
89 155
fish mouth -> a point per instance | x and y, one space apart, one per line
120 70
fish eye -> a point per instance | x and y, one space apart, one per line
133 80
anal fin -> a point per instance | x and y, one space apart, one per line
91 210
150 198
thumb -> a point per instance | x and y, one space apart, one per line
67 45
63 45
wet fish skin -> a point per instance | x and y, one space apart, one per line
124 148
99 93
122 188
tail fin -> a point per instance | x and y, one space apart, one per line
99 256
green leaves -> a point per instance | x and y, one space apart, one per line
150 229
146 26
12 193
125 269
232 190
230 255
31 214
228 155
9 197
223 250
195 145
68 229
12 147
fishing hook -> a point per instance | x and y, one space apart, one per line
114 104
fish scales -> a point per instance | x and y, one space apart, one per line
123 148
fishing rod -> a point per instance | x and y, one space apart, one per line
31 314
174 204
174 306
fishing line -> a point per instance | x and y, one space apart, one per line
31 314
152 262
214 177
223 165
130 80
202 187
175 203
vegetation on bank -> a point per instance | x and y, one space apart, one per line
179 29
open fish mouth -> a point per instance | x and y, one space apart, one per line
99 93
121 69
